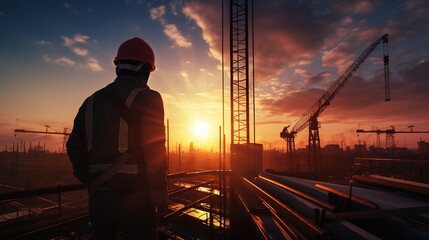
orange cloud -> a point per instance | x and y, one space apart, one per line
207 15
362 100
174 34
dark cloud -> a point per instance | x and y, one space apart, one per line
413 81
410 26
293 104
355 6
319 78
362 100
287 32
416 16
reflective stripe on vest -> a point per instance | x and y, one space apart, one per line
123 135
123 126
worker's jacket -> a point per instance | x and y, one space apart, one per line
101 134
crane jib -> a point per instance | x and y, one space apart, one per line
324 101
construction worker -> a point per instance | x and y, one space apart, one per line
117 149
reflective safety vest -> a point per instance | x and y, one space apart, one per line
120 164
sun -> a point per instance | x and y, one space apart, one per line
201 130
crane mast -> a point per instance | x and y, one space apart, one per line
239 61
309 118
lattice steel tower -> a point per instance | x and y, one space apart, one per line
239 53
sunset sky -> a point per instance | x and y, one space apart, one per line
53 54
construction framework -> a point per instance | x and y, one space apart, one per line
239 55
390 135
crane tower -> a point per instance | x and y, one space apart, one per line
309 118
239 52
65 134
390 134
246 157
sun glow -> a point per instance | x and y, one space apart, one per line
201 130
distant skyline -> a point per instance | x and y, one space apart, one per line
53 54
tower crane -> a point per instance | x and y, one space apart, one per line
309 118
390 134
65 133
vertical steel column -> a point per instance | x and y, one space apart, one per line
315 164
386 67
239 53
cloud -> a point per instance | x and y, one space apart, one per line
91 62
301 62
68 41
77 38
62 61
207 16
338 57
2 14
93 65
288 104
362 100
279 41
415 18
318 79
174 34
356 6
173 8
292 38
158 14
170 30
185 76
80 51
43 42
302 72
347 50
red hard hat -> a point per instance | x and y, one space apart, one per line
136 49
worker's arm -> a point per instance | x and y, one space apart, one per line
77 147
153 135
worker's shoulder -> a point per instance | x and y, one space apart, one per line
148 98
110 88
149 93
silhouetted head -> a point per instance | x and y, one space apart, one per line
135 58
